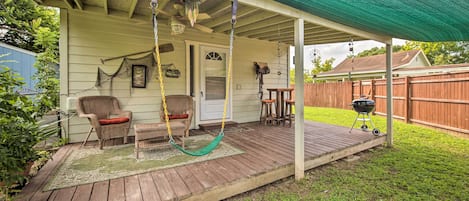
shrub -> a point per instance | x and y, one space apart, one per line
19 130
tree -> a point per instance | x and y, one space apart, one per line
439 53
35 28
319 66
306 77
20 18
377 51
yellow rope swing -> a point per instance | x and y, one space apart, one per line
212 145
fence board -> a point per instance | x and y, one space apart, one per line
335 95
439 100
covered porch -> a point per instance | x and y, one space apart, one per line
268 156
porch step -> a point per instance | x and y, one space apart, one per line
217 125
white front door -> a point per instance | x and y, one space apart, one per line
213 74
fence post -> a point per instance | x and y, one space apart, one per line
372 93
406 99
359 88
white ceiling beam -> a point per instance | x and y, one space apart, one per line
295 13
310 32
69 3
120 15
325 40
253 19
274 21
54 3
79 4
262 30
106 7
133 5
286 30
219 8
243 11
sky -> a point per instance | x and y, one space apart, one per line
339 51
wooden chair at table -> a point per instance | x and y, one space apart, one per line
289 116
267 115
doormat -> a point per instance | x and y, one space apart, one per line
88 165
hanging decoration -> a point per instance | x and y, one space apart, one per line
352 53
350 48
315 55
125 70
261 69
130 66
279 55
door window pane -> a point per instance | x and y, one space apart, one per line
215 76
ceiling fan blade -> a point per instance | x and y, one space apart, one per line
164 12
203 16
203 28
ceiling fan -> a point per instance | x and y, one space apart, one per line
182 12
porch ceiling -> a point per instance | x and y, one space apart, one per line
254 21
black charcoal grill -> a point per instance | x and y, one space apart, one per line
364 107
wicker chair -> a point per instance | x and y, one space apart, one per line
180 108
105 117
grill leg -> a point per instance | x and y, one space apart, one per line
371 122
358 115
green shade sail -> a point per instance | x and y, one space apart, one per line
419 20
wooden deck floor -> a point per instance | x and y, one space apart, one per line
269 156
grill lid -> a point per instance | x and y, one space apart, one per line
363 105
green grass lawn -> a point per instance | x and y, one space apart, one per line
424 164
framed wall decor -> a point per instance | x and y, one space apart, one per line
139 76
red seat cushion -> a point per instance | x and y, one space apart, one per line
178 116
117 120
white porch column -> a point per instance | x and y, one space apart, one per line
389 108
299 100
64 68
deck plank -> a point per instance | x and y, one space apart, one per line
206 181
64 194
132 189
263 153
148 188
33 189
189 179
163 185
100 191
177 184
83 192
212 172
247 167
117 189
231 172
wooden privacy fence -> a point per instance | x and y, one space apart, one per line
440 100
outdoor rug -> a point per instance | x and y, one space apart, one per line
88 165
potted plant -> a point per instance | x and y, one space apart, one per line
19 131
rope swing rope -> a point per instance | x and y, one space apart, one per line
212 145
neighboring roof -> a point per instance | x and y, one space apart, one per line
448 67
372 63
17 49
412 20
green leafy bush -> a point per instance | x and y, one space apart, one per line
19 130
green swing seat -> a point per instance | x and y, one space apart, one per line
200 152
